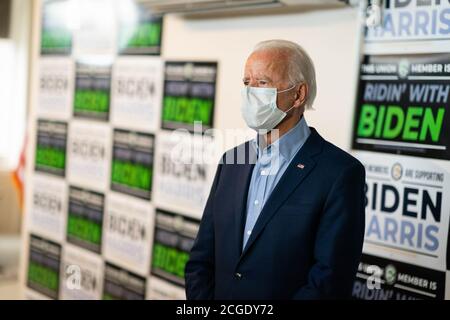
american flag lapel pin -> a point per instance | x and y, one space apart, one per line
301 166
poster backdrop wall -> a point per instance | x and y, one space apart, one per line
108 106
402 134
97 131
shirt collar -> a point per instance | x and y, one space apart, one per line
289 143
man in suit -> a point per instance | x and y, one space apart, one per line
285 215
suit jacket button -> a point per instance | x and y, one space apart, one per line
238 275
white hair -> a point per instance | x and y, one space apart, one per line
300 66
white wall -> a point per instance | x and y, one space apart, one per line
330 37
6 73
14 62
14 58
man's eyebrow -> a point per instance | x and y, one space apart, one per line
264 78
259 78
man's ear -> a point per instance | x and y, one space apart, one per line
301 95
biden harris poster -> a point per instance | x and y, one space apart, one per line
401 134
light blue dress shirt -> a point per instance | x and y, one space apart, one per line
271 163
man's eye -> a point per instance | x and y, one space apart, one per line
262 82
246 83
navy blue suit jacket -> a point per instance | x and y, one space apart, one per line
307 241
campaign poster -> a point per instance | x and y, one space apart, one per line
411 21
92 89
128 232
174 237
158 289
82 274
48 207
89 154
44 258
95 27
132 163
142 35
55 88
185 165
386 279
189 95
56 36
51 141
402 105
85 218
407 209
121 284
136 93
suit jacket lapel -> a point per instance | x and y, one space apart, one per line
291 178
246 159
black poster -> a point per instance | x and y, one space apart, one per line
56 37
51 145
85 218
132 163
189 95
174 237
43 266
143 37
402 105
382 279
120 284
92 90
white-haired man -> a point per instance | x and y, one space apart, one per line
288 222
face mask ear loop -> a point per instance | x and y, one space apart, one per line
289 109
287 89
